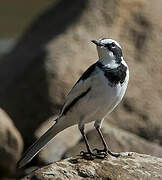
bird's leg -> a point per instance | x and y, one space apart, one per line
106 150
89 154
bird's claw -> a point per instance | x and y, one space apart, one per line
87 155
102 153
99 151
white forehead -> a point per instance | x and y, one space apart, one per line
109 41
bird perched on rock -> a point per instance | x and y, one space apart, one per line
95 95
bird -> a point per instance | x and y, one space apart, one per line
94 96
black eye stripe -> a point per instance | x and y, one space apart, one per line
111 45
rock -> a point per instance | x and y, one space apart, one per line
30 87
128 166
140 36
118 141
11 145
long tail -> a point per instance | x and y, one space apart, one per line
34 149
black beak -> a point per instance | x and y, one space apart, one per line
97 42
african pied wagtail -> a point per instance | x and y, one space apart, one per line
98 91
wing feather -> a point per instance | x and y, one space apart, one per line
80 89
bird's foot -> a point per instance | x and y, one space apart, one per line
87 155
101 154
104 152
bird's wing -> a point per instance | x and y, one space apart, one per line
81 88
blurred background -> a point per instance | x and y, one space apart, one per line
44 48
15 17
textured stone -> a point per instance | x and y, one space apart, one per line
130 166
11 145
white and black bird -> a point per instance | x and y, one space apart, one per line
95 95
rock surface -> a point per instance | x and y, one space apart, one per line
140 35
118 140
30 87
130 166
11 145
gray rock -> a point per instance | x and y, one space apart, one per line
11 145
130 166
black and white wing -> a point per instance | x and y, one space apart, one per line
80 89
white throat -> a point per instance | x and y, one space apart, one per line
107 58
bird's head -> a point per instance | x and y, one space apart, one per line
109 50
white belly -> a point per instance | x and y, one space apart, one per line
99 101
103 98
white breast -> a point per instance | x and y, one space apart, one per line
100 101
107 97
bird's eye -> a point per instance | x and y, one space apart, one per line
113 44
